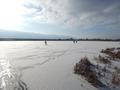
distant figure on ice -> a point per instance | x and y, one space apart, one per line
76 41
73 41
45 42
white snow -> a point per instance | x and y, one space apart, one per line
50 67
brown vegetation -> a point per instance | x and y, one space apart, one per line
111 52
116 79
102 59
84 68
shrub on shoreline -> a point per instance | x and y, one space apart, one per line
112 53
116 79
83 67
102 59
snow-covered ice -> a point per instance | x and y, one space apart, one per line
50 67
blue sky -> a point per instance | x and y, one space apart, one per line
77 18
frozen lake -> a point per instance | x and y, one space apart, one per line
46 67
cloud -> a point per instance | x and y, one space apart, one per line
74 13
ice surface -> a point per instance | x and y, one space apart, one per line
49 67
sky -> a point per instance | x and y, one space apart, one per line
76 18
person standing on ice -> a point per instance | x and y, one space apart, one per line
76 41
73 41
45 42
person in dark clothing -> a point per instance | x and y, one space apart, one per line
73 41
45 42
76 41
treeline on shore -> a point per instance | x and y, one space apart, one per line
68 39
